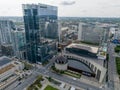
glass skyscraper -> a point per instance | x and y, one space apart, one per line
6 27
40 22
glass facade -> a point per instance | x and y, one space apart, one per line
40 23
6 28
18 41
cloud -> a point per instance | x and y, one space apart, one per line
115 5
84 11
68 2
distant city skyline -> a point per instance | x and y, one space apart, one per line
68 8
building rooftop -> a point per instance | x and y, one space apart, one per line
4 60
6 68
64 28
61 60
89 48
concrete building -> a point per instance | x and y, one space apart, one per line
89 56
61 63
67 34
18 42
116 33
59 31
6 27
82 49
5 31
95 65
63 33
8 68
80 31
40 22
90 32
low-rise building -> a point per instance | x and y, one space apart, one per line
61 63
8 67
82 49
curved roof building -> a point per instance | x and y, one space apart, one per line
61 60
61 63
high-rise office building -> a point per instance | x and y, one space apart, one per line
6 27
40 23
5 31
18 42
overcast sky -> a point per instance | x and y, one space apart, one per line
79 8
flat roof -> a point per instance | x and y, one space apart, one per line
4 60
64 28
2 70
92 49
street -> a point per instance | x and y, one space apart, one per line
24 83
112 73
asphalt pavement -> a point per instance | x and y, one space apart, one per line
24 83
112 73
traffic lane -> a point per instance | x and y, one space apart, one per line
26 82
73 82
68 80
12 86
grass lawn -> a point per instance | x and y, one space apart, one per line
50 88
32 87
89 43
117 49
36 83
118 64
107 57
45 63
53 81
69 73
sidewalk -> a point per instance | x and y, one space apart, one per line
67 86
87 80
112 72
90 81
116 82
46 82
